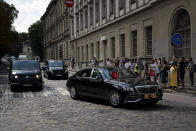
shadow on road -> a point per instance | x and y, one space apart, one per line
27 89
129 106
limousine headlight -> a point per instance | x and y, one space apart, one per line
37 76
16 77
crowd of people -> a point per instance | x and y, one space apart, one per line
171 71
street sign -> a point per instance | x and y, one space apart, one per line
177 39
69 3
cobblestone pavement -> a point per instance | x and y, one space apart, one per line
52 109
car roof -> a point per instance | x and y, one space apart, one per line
53 60
24 60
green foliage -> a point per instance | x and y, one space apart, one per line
8 14
36 36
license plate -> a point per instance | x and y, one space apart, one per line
58 75
150 96
27 84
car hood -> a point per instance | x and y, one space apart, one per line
130 82
137 81
29 72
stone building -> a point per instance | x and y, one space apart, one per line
132 28
56 31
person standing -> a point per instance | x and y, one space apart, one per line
108 63
173 76
157 71
163 72
152 71
128 64
191 71
117 62
182 71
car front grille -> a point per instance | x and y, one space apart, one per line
58 71
146 89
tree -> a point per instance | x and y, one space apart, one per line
36 36
8 14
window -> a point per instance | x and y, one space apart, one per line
96 73
61 51
87 52
183 26
122 42
91 15
85 73
78 53
77 23
112 7
98 50
134 42
81 21
82 53
113 47
104 11
121 4
97 10
92 50
148 40
86 18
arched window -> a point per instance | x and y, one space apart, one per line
182 25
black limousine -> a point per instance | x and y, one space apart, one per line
117 85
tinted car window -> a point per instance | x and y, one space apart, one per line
96 73
25 65
106 74
55 63
85 73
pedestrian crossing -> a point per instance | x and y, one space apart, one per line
6 93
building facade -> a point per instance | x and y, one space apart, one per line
26 49
56 31
132 28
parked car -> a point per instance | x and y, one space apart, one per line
11 58
4 60
118 86
54 69
25 73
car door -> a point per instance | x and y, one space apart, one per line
97 84
83 80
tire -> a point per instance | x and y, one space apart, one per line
73 93
115 99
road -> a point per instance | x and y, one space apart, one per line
53 109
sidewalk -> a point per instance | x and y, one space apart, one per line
187 89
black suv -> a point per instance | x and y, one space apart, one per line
54 69
25 73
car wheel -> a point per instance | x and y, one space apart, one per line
115 99
73 93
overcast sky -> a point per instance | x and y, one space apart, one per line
29 12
